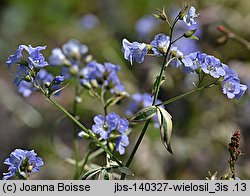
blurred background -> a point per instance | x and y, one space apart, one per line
202 123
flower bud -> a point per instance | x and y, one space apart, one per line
78 99
73 70
190 33
161 15
94 83
88 58
27 78
149 47
220 28
83 134
124 94
111 146
58 79
29 169
86 85
47 84
183 12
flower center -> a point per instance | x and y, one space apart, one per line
105 125
210 68
229 86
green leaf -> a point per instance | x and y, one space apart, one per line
91 173
105 175
165 121
125 170
144 114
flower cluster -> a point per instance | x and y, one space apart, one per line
191 63
104 76
35 58
112 126
74 62
69 58
22 163
160 45
212 66
140 101
30 73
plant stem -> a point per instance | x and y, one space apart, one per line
75 135
85 130
85 161
177 39
186 94
131 157
139 140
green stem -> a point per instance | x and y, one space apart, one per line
163 103
85 130
91 155
144 129
186 94
75 135
85 161
177 39
131 157
105 107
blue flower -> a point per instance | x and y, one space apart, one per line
189 18
232 88
122 125
113 84
229 71
58 80
175 52
146 25
69 58
243 89
22 162
104 125
111 68
93 71
89 21
58 58
36 59
213 67
26 88
69 71
105 76
73 49
192 62
16 57
21 72
43 76
160 44
134 51
122 141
